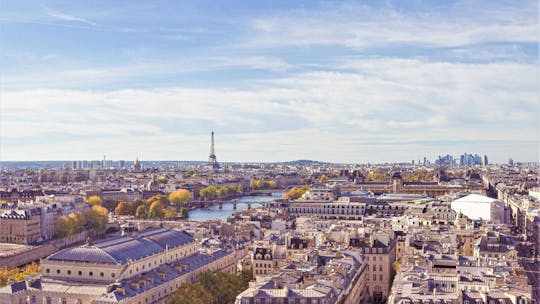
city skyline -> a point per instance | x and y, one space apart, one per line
352 82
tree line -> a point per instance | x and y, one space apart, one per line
256 184
156 207
215 192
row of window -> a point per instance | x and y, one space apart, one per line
80 273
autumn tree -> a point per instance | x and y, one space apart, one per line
97 217
63 227
295 193
180 196
94 200
123 208
156 210
77 221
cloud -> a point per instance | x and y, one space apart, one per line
363 27
66 17
327 115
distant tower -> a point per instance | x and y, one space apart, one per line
137 165
212 160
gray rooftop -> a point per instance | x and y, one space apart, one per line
120 250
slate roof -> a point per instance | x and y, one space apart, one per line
120 250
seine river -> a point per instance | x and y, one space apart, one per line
201 215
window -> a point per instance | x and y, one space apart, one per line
64 301
112 274
90 273
48 300
69 272
47 270
58 271
80 272
101 274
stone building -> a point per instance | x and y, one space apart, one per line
379 250
144 268
20 226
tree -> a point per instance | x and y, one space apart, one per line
323 178
163 199
77 221
180 196
94 200
97 218
296 193
156 210
184 213
191 293
123 208
63 227
219 288
141 212
239 188
110 204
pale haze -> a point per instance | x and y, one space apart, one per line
366 81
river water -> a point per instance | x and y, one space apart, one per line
214 212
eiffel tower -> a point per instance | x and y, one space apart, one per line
212 160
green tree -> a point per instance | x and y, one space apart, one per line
110 204
184 213
141 212
191 293
162 180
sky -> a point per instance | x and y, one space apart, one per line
351 81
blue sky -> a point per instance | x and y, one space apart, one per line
367 81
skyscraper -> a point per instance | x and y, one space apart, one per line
212 160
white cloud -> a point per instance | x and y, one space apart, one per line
361 27
66 17
369 103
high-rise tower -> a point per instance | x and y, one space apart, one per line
212 160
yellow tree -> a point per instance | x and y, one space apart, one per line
94 200
180 196
63 226
78 221
156 210
97 217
